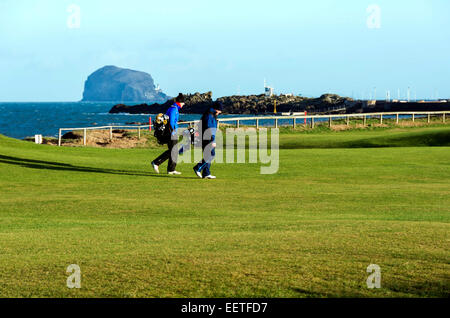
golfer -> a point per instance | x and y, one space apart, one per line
209 128
173 113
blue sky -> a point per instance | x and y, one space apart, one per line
303 47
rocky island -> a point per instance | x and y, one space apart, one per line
111 83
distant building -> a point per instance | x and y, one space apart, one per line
268 91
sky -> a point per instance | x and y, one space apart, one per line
348 47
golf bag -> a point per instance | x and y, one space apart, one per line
194 139
161 129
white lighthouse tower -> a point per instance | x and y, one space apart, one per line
268 91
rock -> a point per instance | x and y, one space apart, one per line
135 123
72 135
137 109
111 83
252 104
195 104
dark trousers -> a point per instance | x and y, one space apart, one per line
169 154
205 165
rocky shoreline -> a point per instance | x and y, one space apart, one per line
251 104
260 104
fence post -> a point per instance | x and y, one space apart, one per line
348 121
381 119
257 123
110 134
139 133
237 123
293 123
396 118
443 117
312 122
59 138
429 118
364 120
84 136
413 117
329 122
276 122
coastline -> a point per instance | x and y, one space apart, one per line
261 105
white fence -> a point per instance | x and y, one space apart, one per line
275 119
111 128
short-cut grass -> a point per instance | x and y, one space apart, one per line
340 202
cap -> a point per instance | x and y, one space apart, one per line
180 98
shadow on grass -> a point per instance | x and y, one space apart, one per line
439 287
433 289
50 165
309 293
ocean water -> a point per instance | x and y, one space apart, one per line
20 120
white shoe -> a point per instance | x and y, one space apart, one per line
198 173
174 173
155 167
210 177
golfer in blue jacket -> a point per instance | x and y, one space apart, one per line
173 113
209 128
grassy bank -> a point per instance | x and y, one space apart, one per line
341 200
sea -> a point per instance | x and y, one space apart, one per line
21 120
26 119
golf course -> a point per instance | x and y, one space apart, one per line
341 201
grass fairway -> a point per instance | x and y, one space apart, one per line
340 201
